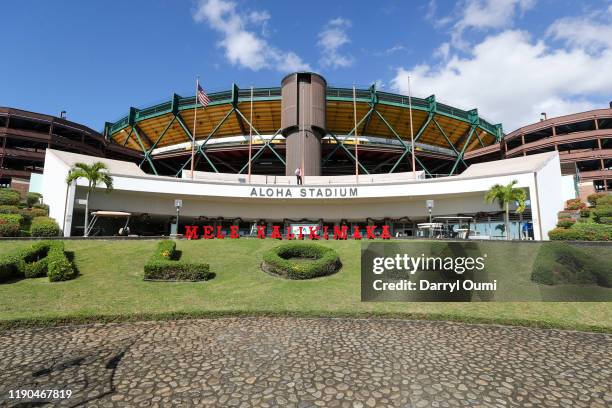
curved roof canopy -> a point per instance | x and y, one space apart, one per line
379 114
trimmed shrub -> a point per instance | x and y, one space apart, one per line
602 211
165 265
40 259
315 260
9 197
10 225
44 227
9 268
9 229
42 207
585 213
34 212
565 222
568 214
9 209
33 198
605 199
584 231
11 218
592 198
574 204
559 263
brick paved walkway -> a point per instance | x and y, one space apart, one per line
308 362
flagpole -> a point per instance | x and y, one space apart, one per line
303 138
411 130
356 137
195 119
251 135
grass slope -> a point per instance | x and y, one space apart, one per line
111 287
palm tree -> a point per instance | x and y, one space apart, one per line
95 174
504 195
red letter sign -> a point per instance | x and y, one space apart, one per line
191 231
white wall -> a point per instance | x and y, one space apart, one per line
452 195
55 190
568 187
550 195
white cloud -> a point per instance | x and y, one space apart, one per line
483 15
511 79
243 47
390 51
582 32
331 39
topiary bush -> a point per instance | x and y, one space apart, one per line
165 265
586 231
9 209
44 258
605 199
44 227
9 197
314 260
601 212
10 225
592 198
33 199
559 263
574 204
565 222
35 212
568 214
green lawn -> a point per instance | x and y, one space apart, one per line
111 287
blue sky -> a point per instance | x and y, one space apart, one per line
512 59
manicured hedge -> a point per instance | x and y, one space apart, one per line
574 204
165 265
44 227
9 197
602 212
592 198
568 214
40 259
587 231
279 261
10 225
9 209
559 263
565 222
33 198
605 199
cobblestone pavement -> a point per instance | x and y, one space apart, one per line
267 362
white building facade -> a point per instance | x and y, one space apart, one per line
396 199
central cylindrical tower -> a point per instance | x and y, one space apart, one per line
303 121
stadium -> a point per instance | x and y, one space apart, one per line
304 106
352 146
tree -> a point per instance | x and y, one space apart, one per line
95 174
504 195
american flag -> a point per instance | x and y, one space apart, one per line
202 97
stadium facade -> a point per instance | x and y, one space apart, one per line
306 121
328 132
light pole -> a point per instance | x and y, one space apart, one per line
178 204
430 204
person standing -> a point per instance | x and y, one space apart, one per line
298 175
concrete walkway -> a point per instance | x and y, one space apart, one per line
308 362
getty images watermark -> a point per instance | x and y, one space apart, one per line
411 265
424 272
